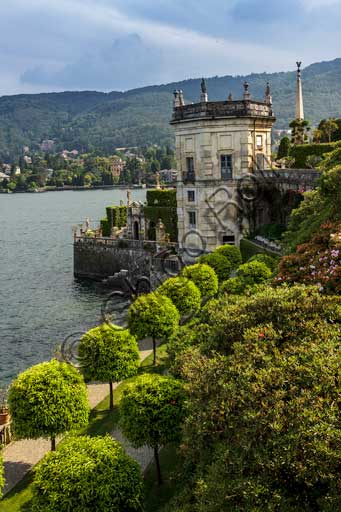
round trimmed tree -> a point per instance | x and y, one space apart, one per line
151 413
109 354
254 272
184 294
153 316
220 264
87 474
47 400
265 258
204 277
232 253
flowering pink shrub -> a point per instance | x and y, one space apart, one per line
316 262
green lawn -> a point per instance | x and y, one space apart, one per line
101 422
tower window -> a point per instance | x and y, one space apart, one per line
192 219
260 161
191 196
259 141
190 164
226 167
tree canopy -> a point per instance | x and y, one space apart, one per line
87 474
48 399
109 354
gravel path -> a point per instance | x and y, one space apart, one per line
21 456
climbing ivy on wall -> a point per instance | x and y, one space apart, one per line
161 204
161 197
116 217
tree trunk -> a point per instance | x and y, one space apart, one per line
111 396
157 463
53 444
154 352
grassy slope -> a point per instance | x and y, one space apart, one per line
101 422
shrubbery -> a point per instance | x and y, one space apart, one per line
316 262
183 293
204 277
254 272
47 400
234 286
87 474
221 265
269 261
232 253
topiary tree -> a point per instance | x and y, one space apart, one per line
87 474
47 400
153 315
221 265
269 261
151 413
183 293
254 272
232 253
109 354
204 277
283 148
2 479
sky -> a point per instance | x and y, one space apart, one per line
105 45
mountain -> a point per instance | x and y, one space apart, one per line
103 121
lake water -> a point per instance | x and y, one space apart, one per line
40 301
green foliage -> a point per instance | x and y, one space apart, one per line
261 425
2 479
291 310
87 474
316 262
232 253
284 148
48 399
117 216
204 277
319 206
105 227
249 249
302 151
183 293
166 198
152 410
153 315
168 216
335 135
233 286
254 272
269 261
221 265
108 354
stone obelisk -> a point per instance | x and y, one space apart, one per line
299 94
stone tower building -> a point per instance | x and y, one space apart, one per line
219 145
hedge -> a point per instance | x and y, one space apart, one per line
161 197
168 216
105 227
302 151
249 249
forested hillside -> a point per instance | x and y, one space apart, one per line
103 121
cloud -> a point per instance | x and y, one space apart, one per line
120 44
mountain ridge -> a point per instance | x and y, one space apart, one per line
101 121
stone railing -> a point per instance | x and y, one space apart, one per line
124 243
306 177
215 109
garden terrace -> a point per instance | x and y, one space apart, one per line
221 109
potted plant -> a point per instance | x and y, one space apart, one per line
4 411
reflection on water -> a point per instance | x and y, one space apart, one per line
40 301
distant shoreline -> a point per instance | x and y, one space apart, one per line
80 188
